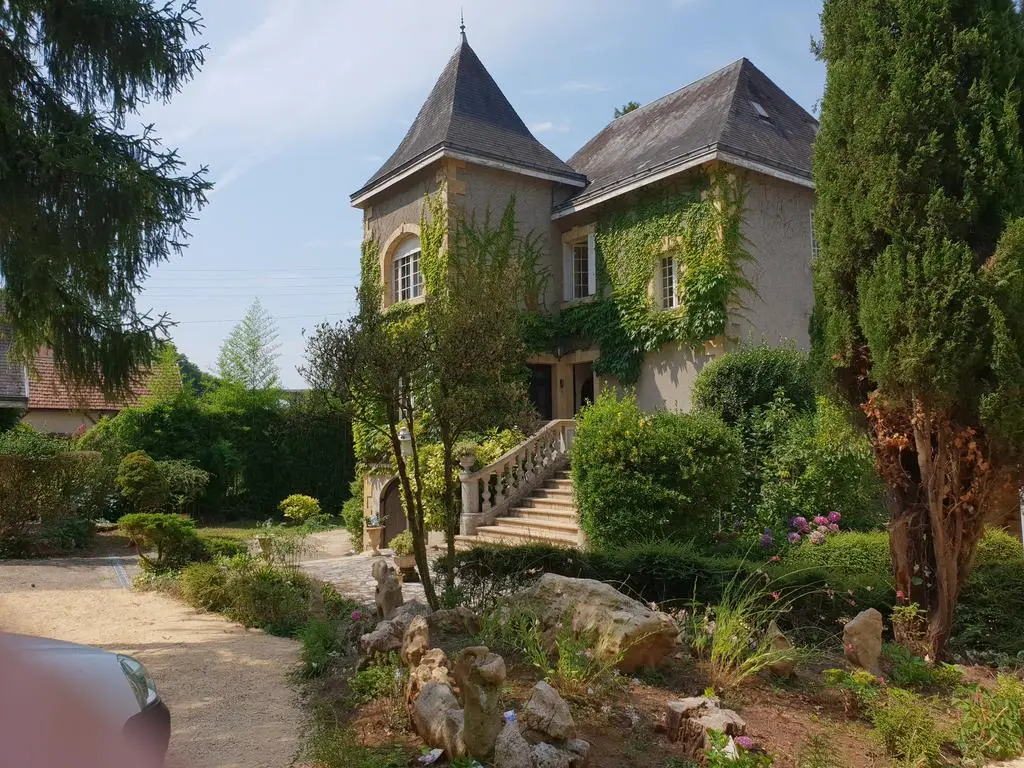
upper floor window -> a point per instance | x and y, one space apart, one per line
814 239
668 282
407 281
580 268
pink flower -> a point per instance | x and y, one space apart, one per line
820 520
356 615
775 559
794 538
899 594
833 527
744 742
834 517
776 595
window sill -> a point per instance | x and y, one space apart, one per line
569 303
411 302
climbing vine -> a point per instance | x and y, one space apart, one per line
701 228
371 286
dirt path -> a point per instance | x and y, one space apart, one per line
232 705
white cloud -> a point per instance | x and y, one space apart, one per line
579 86
307 70
547 126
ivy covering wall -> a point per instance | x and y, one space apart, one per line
702 228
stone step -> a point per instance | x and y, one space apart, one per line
538 524
550 502
500 534
542 512
554 492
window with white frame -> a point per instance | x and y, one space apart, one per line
814 238
668 282
407 279
580 272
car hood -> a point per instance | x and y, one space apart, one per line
95 673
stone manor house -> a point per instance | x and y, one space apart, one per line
469 144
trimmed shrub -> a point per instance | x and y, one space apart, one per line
990 613
23 440
205 586
141 483
276 600
749 378
186 483
662 475
299 508
222 546
849 553
998 547
164 542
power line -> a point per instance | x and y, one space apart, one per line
278 317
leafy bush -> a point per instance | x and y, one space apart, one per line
909 671
847 552
997 547
906 726
637 475
222 546
320 644
402 544
205 586
747 379
719 756
352 513
65 534
172 538
186 483
992 721
141 483
300 508
384 678
23 440
990 613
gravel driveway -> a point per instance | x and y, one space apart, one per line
231 702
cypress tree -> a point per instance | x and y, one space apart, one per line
919 283
87 207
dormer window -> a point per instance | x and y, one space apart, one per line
668 282
580 267
407 282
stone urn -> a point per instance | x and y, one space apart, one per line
375 536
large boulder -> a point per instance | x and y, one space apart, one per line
415 641
862 640
385 638
511 750
433 667
785 664
623 626
480 675
455 621
438 719
547 717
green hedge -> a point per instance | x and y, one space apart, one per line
662 475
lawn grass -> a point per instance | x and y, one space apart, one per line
235 529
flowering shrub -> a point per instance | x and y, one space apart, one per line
816 530
740 754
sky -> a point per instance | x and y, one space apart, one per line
300 101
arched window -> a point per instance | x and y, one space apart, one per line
407 279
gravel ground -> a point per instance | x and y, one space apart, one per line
231 702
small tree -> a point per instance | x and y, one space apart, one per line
626 108
919 285
142 483
164 380
249 353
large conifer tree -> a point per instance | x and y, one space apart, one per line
87 207
920 280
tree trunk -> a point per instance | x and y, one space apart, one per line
414 507
451 512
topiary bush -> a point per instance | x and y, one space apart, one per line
750 378
300 508
164 541
186 483
846 552
222 546
141 483
998 547
642 476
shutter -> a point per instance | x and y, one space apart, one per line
566 272
591 264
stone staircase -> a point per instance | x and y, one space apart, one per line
547 515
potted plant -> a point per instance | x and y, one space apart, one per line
401 545
375 532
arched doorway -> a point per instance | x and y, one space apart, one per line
391 510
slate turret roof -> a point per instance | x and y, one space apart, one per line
467 114
736 114
13 379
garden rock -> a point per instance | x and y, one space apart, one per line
388 594
433 667
547 716
688 722
480 675
455 621
415 642
724 720
385 638
779 643
438 720
511 750
549 756
622 625
862 640
581 749
406 612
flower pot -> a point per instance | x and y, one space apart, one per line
375 536
407 568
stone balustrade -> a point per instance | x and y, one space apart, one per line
491 491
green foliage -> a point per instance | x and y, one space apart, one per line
402 543
248 356
164 380
751 378
626 108
865 687
817 752
512 628
141 483
23 440
990 612
719 757
186 483
320 644
638 475
205 586
384 678
164 542
90 209
299 508
992 721
335 746
222 546
845 552
352 513
578 673
65 534
998 547
909 671
906 726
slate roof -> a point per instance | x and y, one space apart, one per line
467 112
13 383
717 112
46 391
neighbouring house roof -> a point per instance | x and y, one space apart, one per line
466 114
13 380
736 114
46 391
